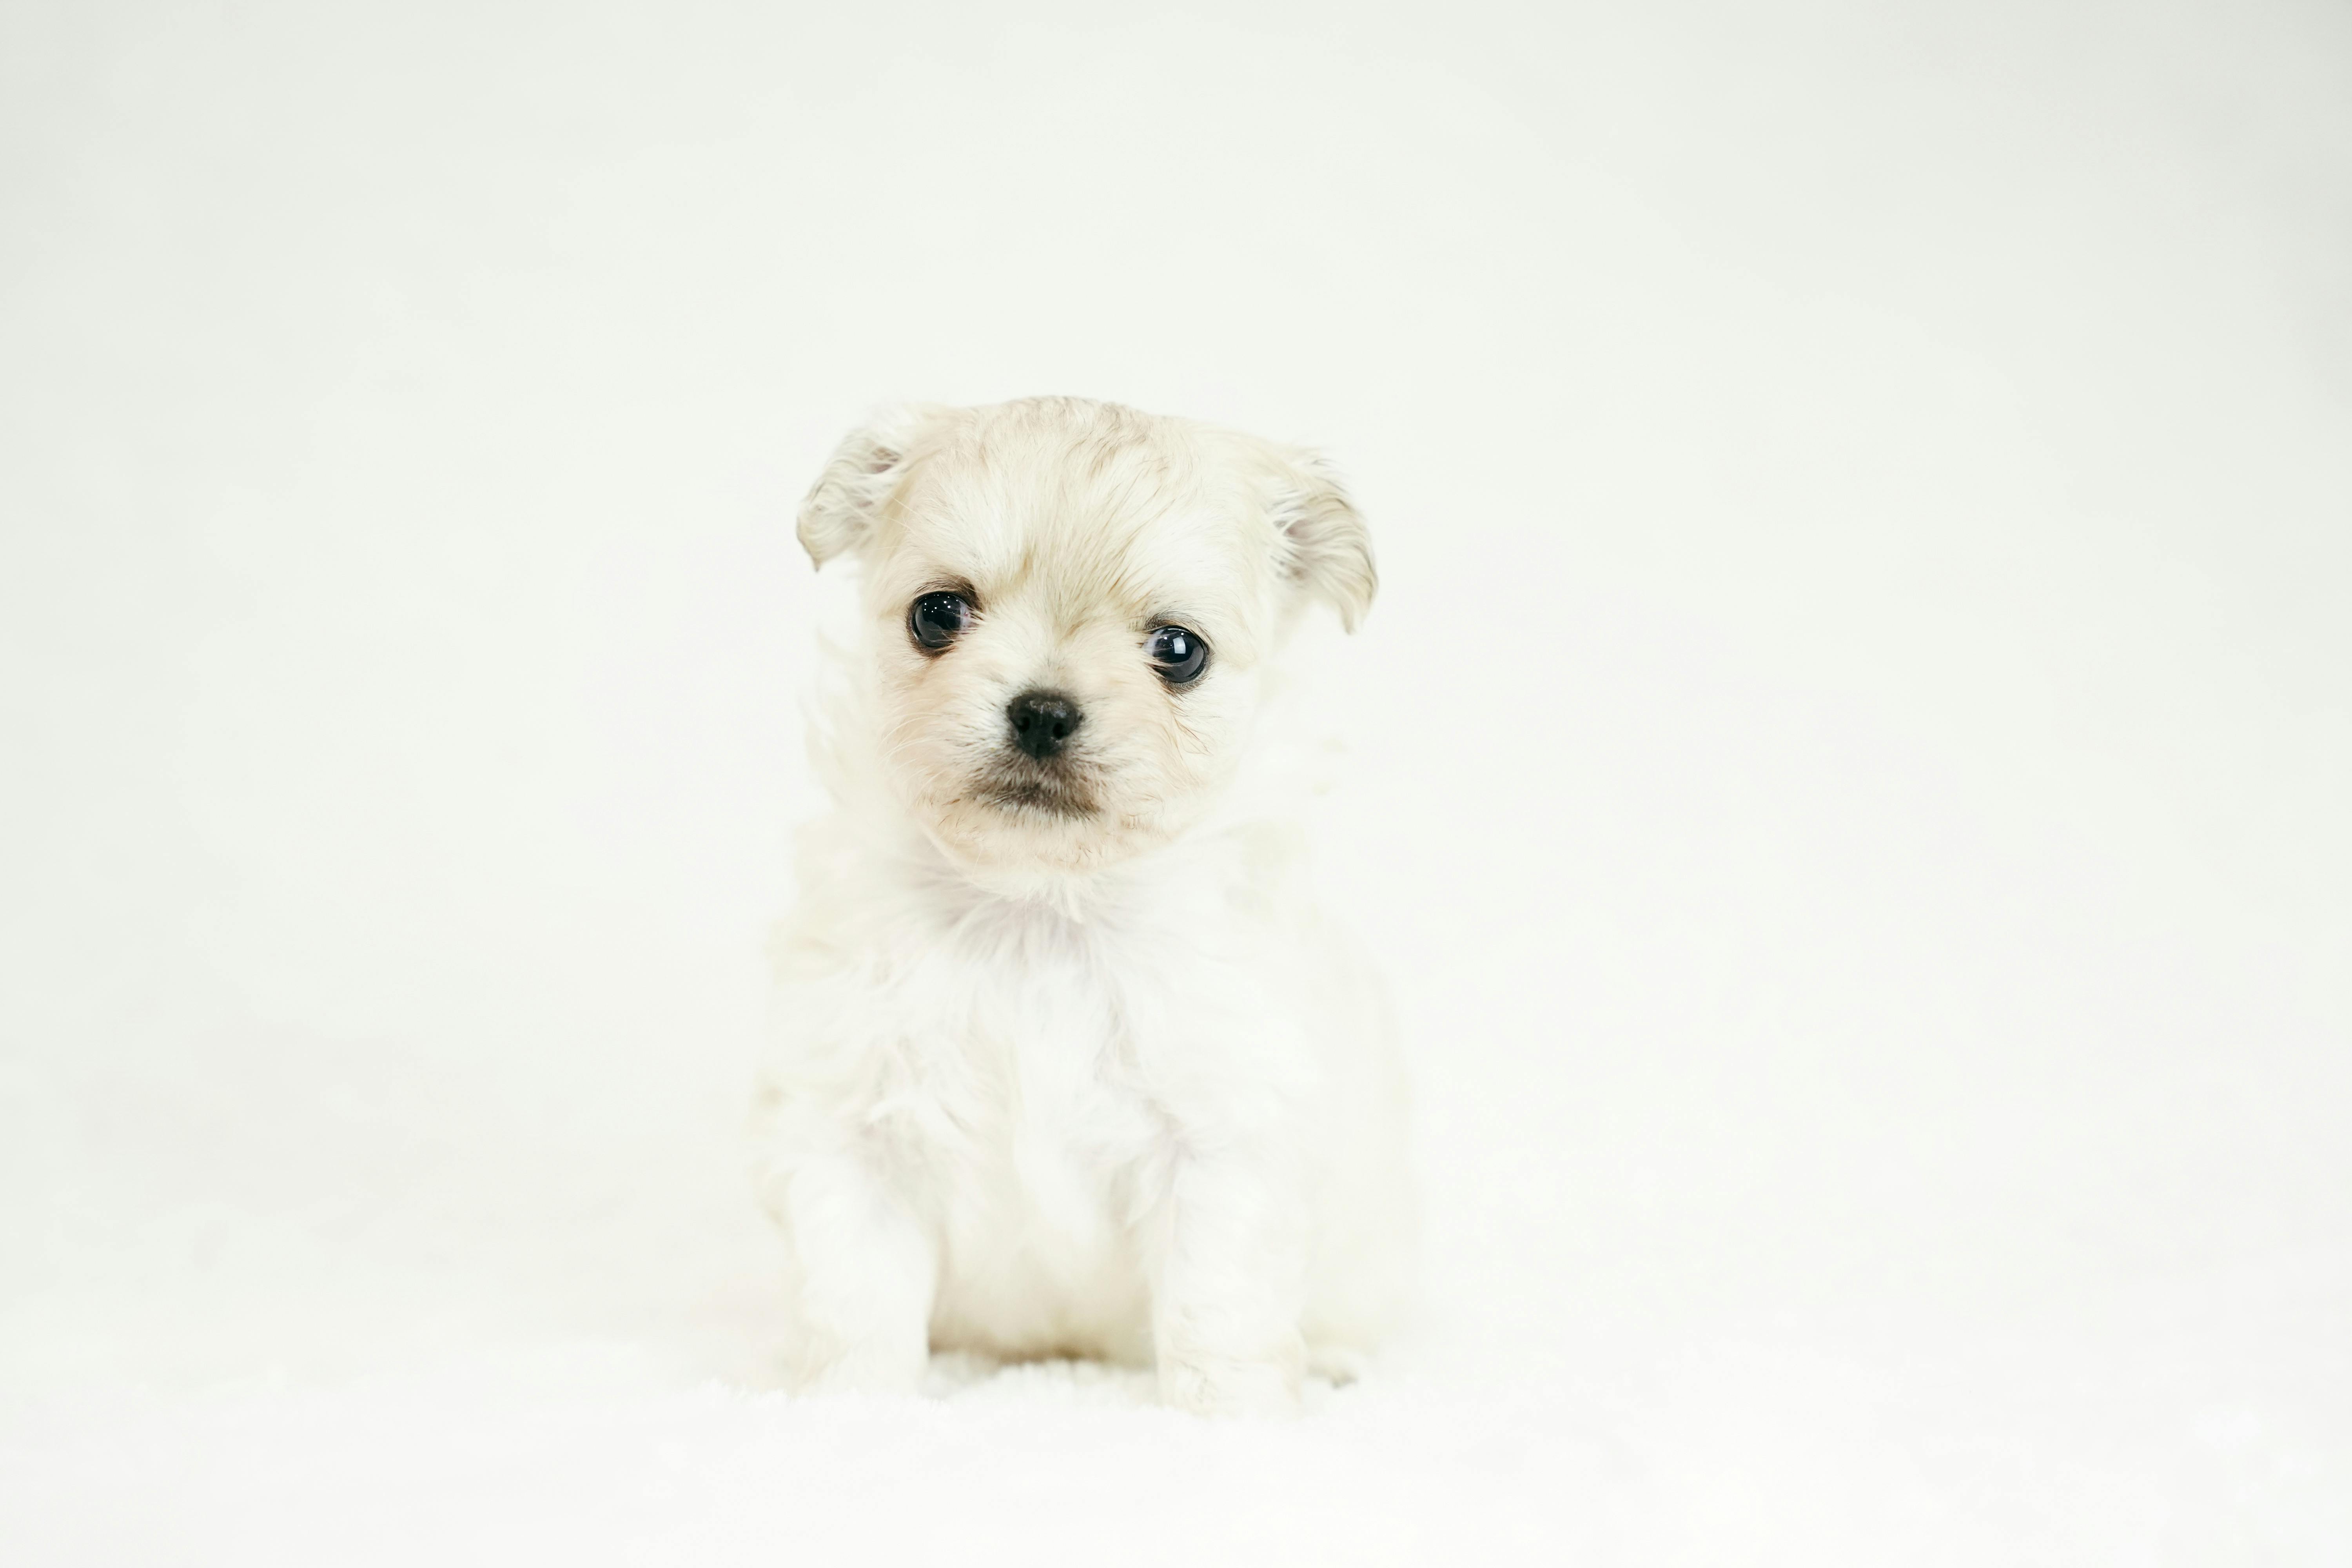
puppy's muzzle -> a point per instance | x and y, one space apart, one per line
1043 723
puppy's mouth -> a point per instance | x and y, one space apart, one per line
1059 788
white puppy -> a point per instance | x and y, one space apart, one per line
1067 1062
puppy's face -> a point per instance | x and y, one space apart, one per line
1069 608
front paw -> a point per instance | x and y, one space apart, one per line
1224 1385
828 1367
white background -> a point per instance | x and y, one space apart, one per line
1850 768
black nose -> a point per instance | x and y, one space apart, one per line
1042 721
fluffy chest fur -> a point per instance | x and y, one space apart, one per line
1025 1077
1032 1141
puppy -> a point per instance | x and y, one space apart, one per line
1067 1060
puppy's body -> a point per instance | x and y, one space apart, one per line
1067 1061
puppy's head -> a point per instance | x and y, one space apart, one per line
1069 608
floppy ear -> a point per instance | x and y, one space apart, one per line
838 512
1326 549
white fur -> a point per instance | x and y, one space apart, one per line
1098 1083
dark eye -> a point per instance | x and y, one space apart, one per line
936 620
1180 655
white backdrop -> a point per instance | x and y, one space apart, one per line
1850 767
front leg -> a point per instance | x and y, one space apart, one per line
859 1274
1228 1286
